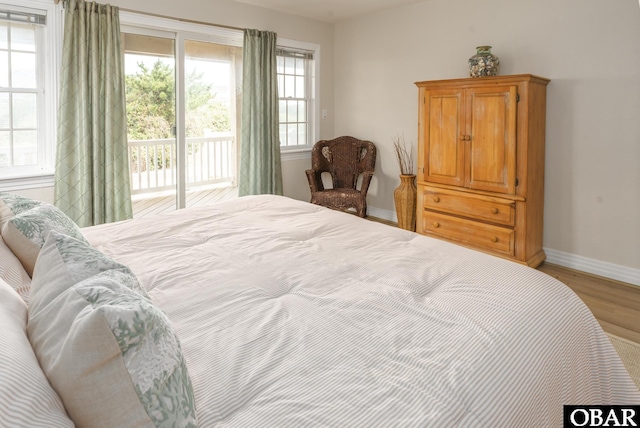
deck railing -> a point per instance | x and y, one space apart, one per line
209 160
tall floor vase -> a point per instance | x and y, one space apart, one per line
405 199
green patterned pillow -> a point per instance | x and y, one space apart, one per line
27 230
109 352
82 261
11 204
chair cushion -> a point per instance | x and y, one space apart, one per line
28 228
342 192
110 353
338 198
26 397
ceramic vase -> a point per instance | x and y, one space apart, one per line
484 63
405 200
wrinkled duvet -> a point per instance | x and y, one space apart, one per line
291 314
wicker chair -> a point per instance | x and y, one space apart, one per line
345 158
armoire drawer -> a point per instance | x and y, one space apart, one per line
485 208
496 239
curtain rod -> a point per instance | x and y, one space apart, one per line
190 21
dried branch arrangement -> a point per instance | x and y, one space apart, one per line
404 155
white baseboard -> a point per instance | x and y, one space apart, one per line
572 261
595 267
382 214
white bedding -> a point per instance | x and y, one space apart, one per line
291 314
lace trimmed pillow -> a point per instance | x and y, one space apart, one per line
109 352
26 231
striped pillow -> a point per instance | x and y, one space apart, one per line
26 397
13 273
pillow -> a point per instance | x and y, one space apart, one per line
11 204
13 273
109 352
82 261
27 230
27 397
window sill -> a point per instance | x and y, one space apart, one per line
23 183
295 154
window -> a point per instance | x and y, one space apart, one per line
28 51
295 68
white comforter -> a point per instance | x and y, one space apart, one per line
291 314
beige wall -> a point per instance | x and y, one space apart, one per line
44 194
590 49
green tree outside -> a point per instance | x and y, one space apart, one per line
150 101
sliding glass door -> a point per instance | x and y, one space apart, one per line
211 113
182 116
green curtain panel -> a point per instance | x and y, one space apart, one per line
260 169
92 168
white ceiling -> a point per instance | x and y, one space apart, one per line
329 10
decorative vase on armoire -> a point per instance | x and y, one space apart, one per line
405 199
483 63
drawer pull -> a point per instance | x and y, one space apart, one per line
436 224
436 199
494 211
494 239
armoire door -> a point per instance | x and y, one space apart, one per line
491 138
441 154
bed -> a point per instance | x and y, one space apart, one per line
291 314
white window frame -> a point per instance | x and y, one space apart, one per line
50 42
313 113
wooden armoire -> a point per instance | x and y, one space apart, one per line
481 163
